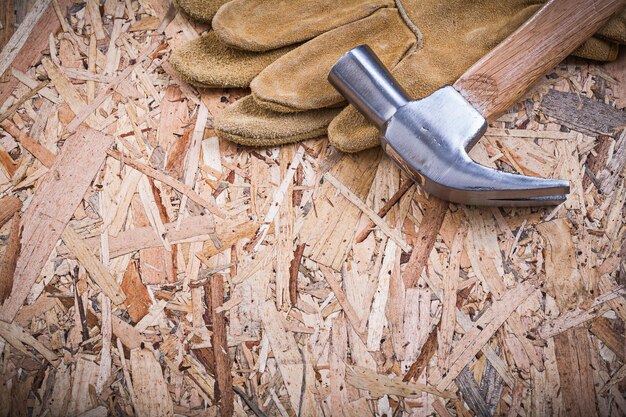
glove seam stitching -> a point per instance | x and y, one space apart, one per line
411 25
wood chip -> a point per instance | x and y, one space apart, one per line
582 113
425 240
327 236
93 9
9 259
278 197
9 205
97 271
223 387
563 279
349 311
153 398
83 380
602 329
138 299
195 228
573 361
483 330
382 224
379 305
295 370
379 385
577 317
31 145
404 187
68 92
450 288
13 48
166 179
33 38
45 219
16 336
530 134
86 113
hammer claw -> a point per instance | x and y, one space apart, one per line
472 183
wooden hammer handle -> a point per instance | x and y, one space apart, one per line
503 76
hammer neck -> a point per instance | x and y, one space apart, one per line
365 82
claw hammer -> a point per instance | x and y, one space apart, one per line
429 138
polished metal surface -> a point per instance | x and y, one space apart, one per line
430 138
365 82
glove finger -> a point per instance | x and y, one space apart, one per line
615 29
206 62
200 10
297 81
351 132
261 25
246 123
597 50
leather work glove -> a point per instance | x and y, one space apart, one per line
426 43
200 10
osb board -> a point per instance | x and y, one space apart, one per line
322 281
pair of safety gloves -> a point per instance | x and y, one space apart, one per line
284 49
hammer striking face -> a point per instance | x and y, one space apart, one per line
430 138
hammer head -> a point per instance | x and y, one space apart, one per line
430 138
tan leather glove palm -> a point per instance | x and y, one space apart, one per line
291 99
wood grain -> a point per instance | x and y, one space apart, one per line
68 92
196 228
382 224
602 329
13 47
380 385
450 288
155 263
294 266
472 393
7 164
483 329
564 281
84 377
503 76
